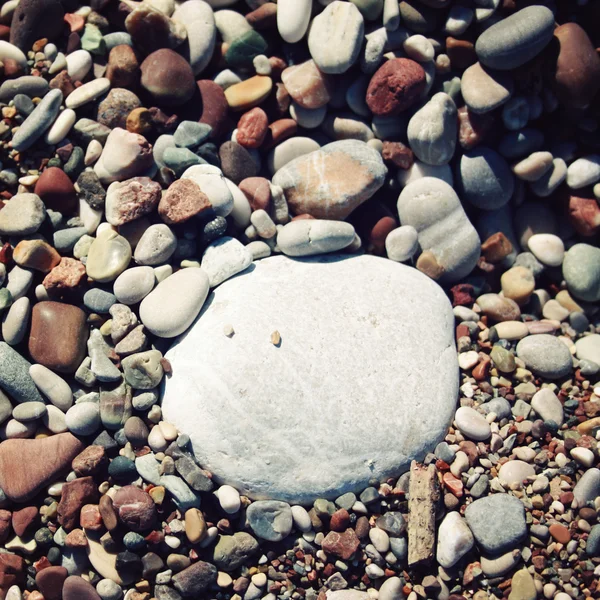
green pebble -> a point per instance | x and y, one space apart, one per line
93 40
55 162
503 359
244 49
5 299
179 159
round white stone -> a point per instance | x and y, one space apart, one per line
547 248
454 540
359 336
472 424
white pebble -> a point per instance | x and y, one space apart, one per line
301 518
584 456
61 127
419 48
229 499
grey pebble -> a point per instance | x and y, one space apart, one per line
148 468
98 300
134 284
156 245
190 134
14 376
588 487
83 419
143 371
270 520
497 522
38 121
22 215
183 496
64 240
5 407
101 365
545 355
581 270
517 144
24 104
29 411
592 546
118 38
29 85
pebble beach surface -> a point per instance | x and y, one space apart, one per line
203 209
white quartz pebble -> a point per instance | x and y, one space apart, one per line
293 17
547 248
61 127
229 499
79 64
472 424
54 387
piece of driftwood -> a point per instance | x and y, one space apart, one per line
423 497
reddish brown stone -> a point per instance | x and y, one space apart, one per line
76 22
58 336
343 544
51 581
108 513
463 294
379 232
139 120
264 17
57 191
496 248
90 519
584 214
66 279
183 200
167 77
453 484
135 508
258 192
63 82
89 461
461 53
576 73
340 520
4 33
560 533
76 539
12 571
252 128
123 68
473 128
46 459
5 520
395 86
398 154
77 588
23 519
279 131
214 105
75 494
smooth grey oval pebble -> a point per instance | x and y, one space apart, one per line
513 41
38 121
99 300
29 411
34 87
84 418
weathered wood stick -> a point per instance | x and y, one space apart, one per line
424 494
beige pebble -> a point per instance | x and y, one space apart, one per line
534 166
518 284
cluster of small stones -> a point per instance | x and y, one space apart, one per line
151 150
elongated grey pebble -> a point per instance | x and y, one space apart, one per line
54 387
38 121
29 411
34 87
14 376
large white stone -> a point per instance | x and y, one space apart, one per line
365 378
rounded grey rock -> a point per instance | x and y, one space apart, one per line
98 300
83 418
270 520
314 236
156 245
545 355
581 270
38 121
143 371
29 411
134 284
236 432
485 179
22 215
513 41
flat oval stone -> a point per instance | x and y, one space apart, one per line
485 90
171 307
58 336
545 355
513 41
514 472
108 256
220 395
581 270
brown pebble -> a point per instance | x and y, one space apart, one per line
496 248
264 17
89 461
584 215
560 533
5 524
343 545
340 520
258 192
57 191
76 539
58 336
252 128
307 85
64 83
398 154
90 518
237 163
108 513
135 508
395 86
75 494
427 263
65 280
214 105
183 200
167 77
23 518
139 120
461 53
51 581
279 131
473 128
123 68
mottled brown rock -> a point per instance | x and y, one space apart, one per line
214 105
135 508
57 191
90 518
131 199
65 280
50 581
152 30
183 200
58 336
258 192
236 162
123 68
279 131
343 545
63 82
307 85
167 77
12 569
584 214
23 519
77 588
473 128
395 86
108 513
398 154
89 461
496 248
195 579
576 74
5 524
115 108
461 53
252 128
46 459
36 19
36 254
263 17
75 494
139 120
